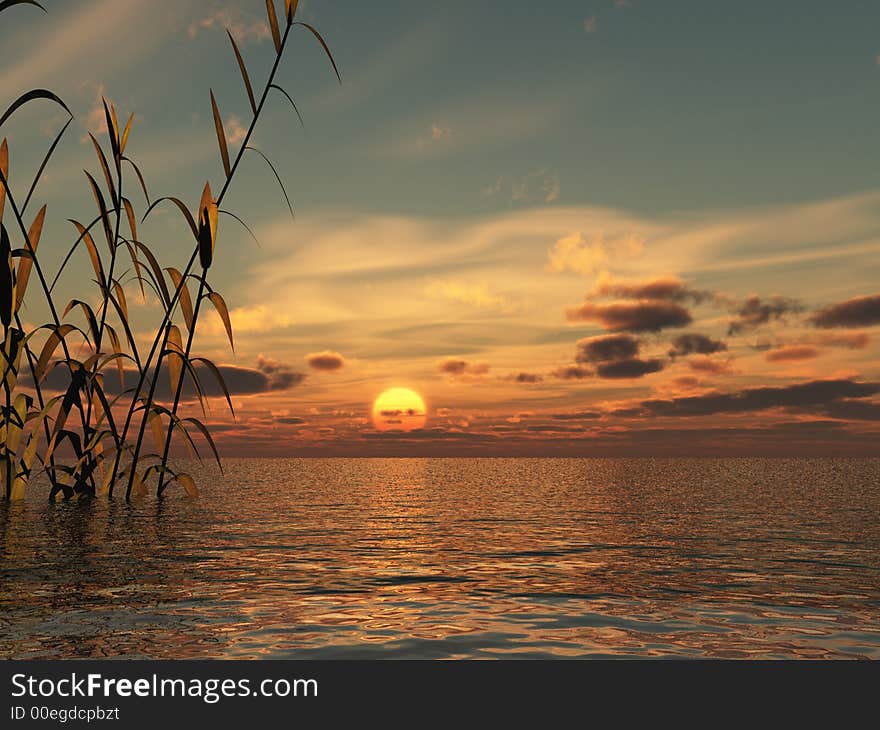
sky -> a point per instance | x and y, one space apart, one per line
616 227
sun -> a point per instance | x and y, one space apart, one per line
399 409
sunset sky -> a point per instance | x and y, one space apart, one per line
602 227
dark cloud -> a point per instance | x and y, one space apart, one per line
695 344
326 361
639 316
607 347
238 380
801 395
793 353
279 375
856 312
668 288
290 420
853 410
527 378
756 311
626 369
457 368
581 416
572 372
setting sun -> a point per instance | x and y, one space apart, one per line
399 409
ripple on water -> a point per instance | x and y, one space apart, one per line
450 558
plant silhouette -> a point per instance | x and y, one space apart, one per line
87 439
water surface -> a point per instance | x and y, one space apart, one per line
447 558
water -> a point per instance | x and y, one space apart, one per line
447 558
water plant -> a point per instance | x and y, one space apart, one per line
88 438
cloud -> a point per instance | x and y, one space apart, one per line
243 26
756 311
536 187
461 368
267 376
667 288
639 316
440 132
849 340
853 410
257 318
856 312
578 416
572 372
326 361
607 347
800 395
708 366
524 378
96 119
792 353
279 376
628 369
692 343
235 130
588 256
476 295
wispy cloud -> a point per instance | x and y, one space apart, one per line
476 295
588 256
243 26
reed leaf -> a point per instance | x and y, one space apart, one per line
220 305
92 249
207 434
175 356
218 376
181 206
155 423
25 264
43 164
124 141
244 73
292 103
290 10
4 172
221 137
7 290
278 178
89 314
185 300
243 225
120 296
156 271
112 130
102 161
102 212
140 177
324 45
9 3
30 96
188 484
54 339
13 348
273 24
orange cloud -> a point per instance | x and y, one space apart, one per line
326 361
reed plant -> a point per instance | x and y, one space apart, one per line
87 438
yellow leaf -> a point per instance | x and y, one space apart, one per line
189 485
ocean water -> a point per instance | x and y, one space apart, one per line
449 558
